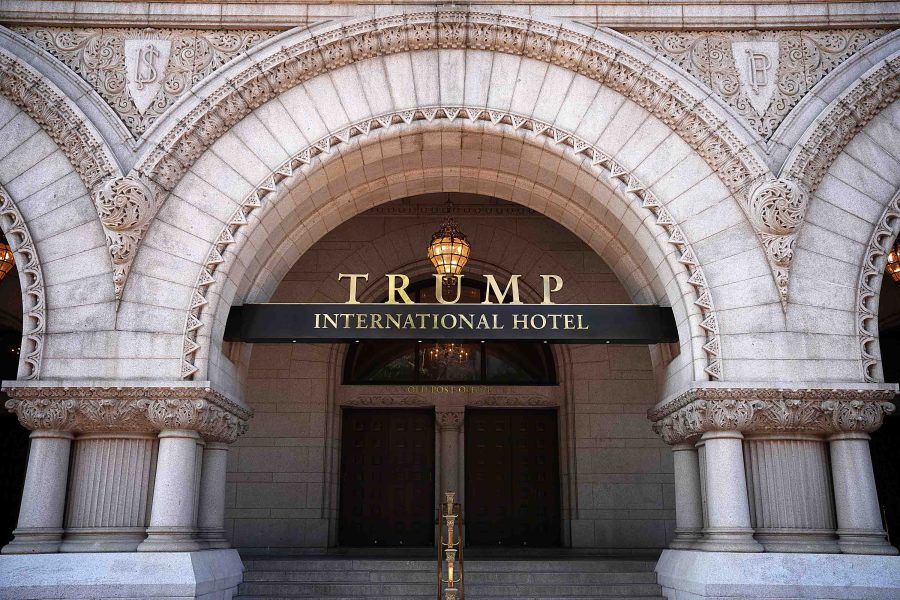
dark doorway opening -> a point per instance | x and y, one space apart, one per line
387 477
512 477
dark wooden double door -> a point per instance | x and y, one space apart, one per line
388 477
512 478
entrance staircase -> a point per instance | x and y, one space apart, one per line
357 578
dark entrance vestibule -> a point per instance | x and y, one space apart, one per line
512 477
387 477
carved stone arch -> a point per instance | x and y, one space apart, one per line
217 285
31 279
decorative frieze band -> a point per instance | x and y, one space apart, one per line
771 410
133 409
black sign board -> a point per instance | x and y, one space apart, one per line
559 323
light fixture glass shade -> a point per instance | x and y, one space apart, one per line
6 259
893 262
449 249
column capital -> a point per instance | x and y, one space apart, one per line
450 419
821 409
91 407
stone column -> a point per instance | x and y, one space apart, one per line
39 528
860 529
728 509
688 500
449 423
211 519
791 504
109 493
172 524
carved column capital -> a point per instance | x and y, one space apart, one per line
756 409
450 419
87 409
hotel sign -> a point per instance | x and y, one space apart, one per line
502 316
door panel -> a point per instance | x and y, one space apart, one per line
512 477
387 478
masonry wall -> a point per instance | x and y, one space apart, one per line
620 490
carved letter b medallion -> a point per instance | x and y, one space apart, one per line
145 69
757 67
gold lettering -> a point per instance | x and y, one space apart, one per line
346 319
553 319
409 323
492 286
393 320
483 322
354 278
331 321
316 326
422 318
497 324
520 321
444 322
570 321
439 288
580 325
467 320
394 289
558 285
361 321
534 321
376 321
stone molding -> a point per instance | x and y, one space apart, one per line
629 186
31 278
836 126
818 411
128 409
386 400
869 286
450 419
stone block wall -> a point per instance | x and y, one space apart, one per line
620 495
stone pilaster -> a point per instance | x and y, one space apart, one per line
109 492
789 484
211 518
449 423
688 498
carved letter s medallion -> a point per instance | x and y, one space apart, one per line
145 69
757 67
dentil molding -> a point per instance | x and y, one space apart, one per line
821 411
92 409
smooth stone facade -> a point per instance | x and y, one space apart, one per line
205 575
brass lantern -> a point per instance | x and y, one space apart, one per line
449 249
6 259
893 262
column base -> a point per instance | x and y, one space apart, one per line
687 539
213 539
34 541
170 539
700 575
809 541
103 539
210 575
720 539
864 541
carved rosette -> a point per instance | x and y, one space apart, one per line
777 208
769 410
132 409
125 204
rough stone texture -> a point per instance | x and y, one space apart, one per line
207 575
692 575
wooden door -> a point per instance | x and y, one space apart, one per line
512 477
387 477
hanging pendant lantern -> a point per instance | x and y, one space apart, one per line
6 259
893 262
449 249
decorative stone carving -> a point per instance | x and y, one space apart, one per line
31 278
797 61
630 186
142 72
840 122
514 400
777 208
128 409
869 286
387 400
125 206
450 419
771 410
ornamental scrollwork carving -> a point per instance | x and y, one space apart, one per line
771 410
135 409
125 205
387 400
450 419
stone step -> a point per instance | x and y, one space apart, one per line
380 589
477 577
469 596
586 565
